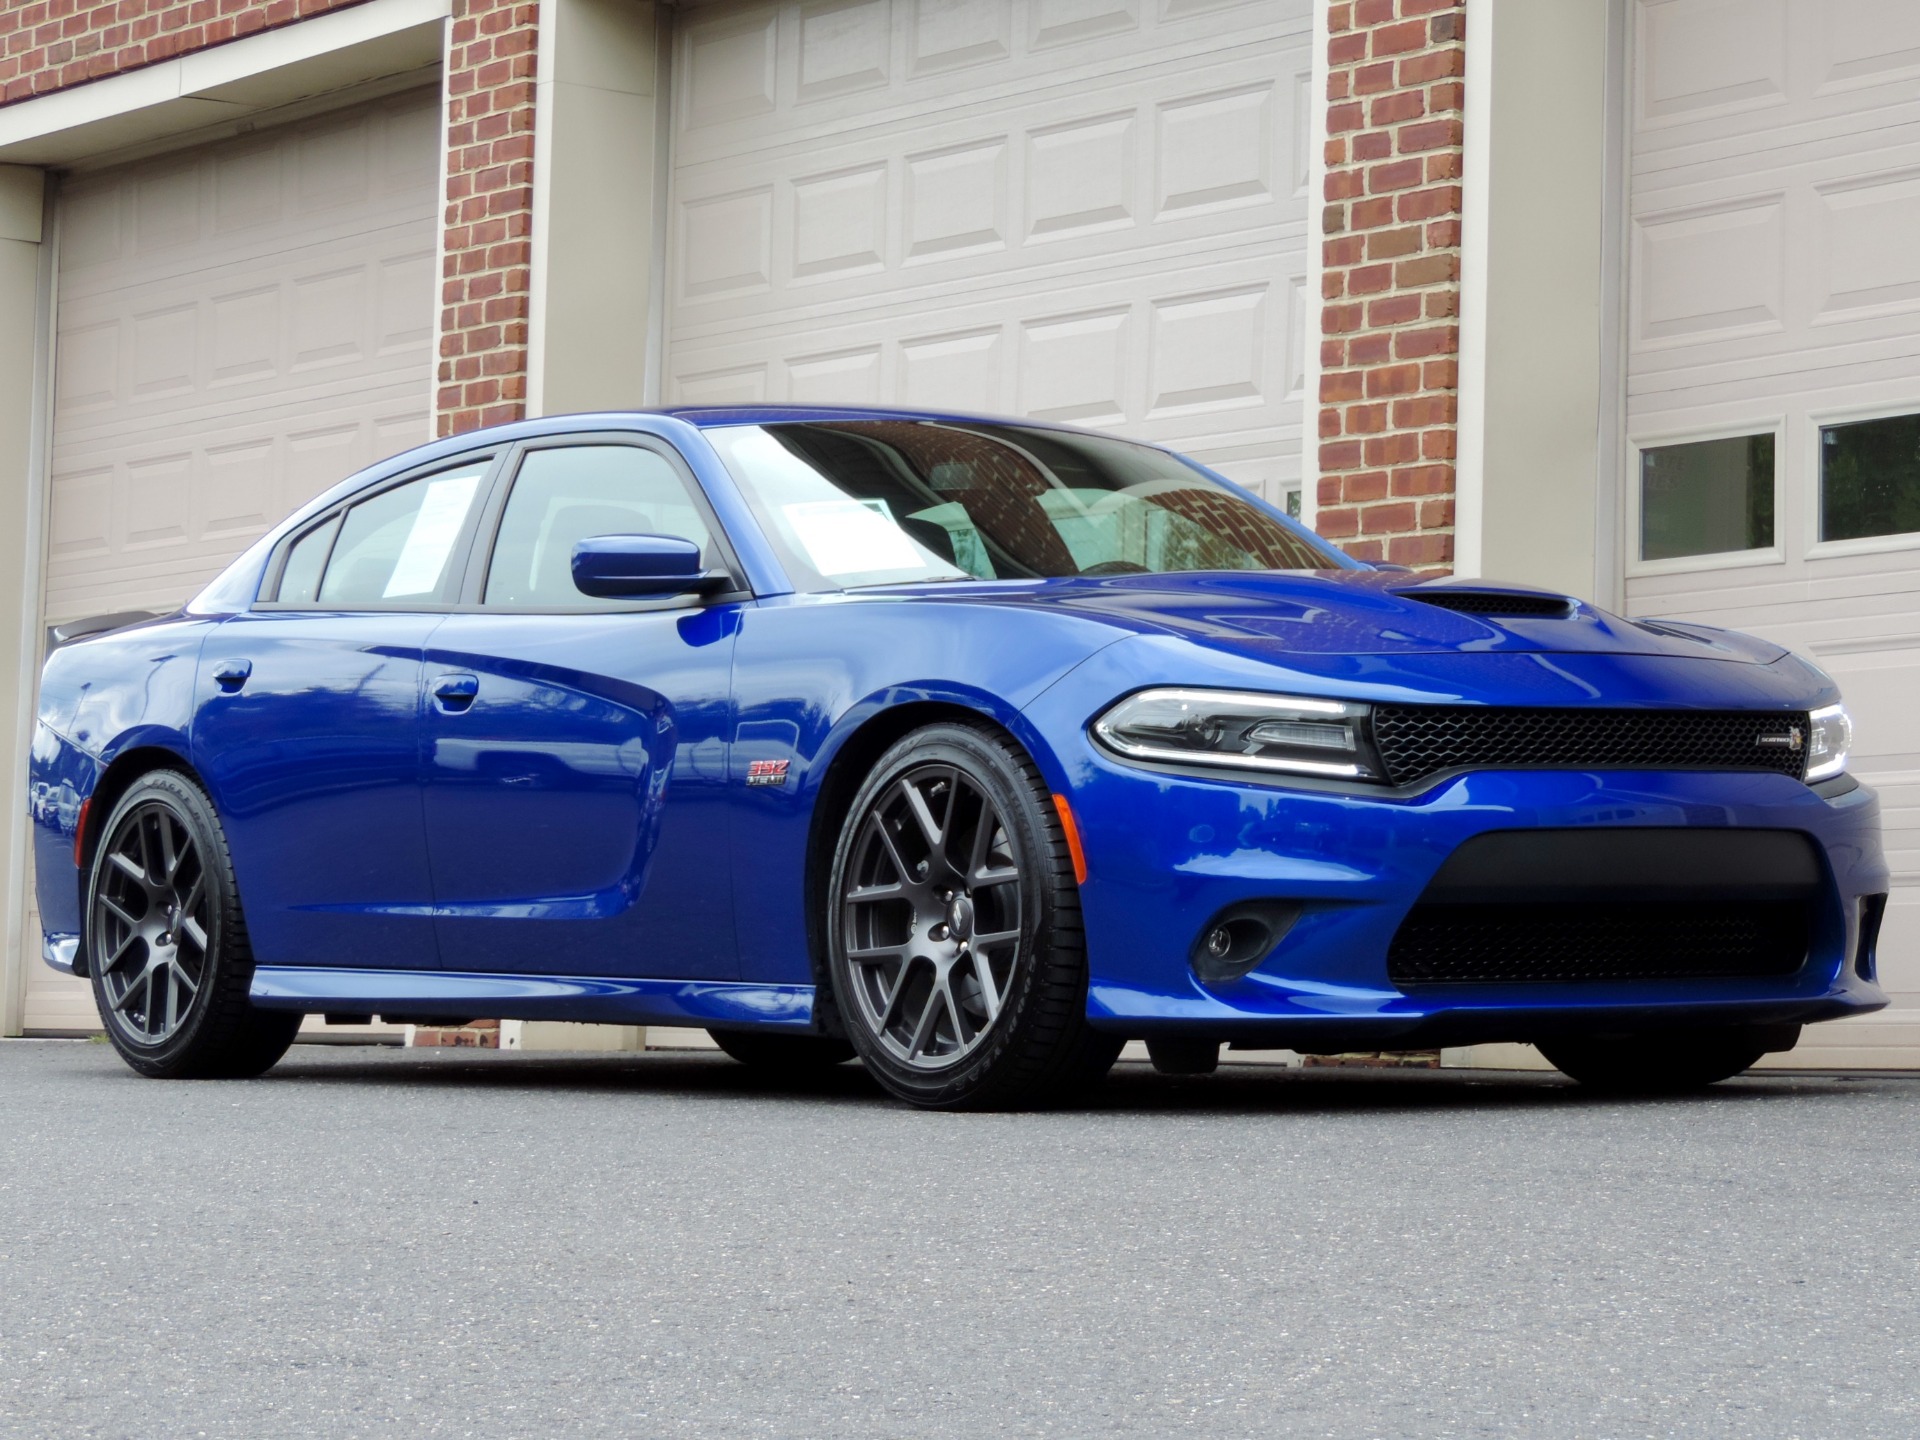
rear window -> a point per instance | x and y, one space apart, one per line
392 549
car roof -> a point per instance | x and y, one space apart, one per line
706 416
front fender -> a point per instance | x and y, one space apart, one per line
810 672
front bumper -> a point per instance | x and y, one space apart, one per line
1166 852
1359 865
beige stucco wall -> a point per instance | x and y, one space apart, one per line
22 323
596 166
1536 307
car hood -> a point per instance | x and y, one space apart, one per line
1276 615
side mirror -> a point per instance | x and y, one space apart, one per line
634 567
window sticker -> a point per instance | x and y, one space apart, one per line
849 537
436 525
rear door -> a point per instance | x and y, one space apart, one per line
576 749
308 727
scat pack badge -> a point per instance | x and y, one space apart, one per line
767 772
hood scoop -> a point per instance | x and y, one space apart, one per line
1493 602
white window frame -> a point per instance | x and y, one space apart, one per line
1810 465
1637 445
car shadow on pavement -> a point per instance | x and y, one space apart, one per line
1132 1088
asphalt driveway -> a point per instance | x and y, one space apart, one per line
452 1244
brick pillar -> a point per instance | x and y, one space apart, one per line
1390 333
482 377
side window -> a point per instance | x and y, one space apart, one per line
397 546
565 495
300 577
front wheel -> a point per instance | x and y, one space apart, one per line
958 960
166 942
1664 1062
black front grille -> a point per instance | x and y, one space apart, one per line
1585 942
1491 602
1416 741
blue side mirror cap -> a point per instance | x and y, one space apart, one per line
635 567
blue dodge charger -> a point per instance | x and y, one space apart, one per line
969 747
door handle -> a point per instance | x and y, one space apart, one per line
456 692
232 674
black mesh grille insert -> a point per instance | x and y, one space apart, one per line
1491 602
1416 741
1579 943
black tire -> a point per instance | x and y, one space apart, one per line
764 1050
1665 1062
167 949
1003 965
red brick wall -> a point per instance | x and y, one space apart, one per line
1390 334
482 377
51 44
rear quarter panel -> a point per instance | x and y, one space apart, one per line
100 701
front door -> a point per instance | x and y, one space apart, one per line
307 728
576 750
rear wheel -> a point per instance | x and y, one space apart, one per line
167 944
766 1051
958 960
1666 1061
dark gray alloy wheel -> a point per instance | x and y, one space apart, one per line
958 960
1662 1062
167 945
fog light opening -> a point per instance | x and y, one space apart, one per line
1236 940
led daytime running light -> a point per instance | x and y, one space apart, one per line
1829 741
1241 730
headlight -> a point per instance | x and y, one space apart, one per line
1285 734
1827 745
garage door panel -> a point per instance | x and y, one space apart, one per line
1774 196
256 323
1215 351
747 74
1082 210
1073 180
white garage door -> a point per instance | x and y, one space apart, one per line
1774 378
1086 210
238 328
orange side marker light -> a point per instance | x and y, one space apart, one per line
1072 829
80 833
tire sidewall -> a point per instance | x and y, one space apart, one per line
985 765
186 801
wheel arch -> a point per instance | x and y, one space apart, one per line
118 777
851 759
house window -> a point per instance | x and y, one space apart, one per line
1706 497
1870 478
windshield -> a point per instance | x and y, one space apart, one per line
880 502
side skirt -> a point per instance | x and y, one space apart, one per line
593 999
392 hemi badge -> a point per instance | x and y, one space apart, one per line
1788 739
767 772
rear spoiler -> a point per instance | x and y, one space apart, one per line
72 630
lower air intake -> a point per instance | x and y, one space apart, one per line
1583 942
